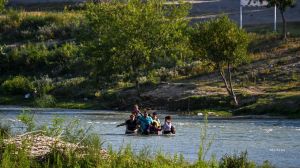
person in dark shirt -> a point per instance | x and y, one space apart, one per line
131 125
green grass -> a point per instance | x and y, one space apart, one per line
284 104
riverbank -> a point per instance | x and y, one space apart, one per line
70 148
268 85
197 115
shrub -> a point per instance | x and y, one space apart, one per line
2 5
19 26
43 85
236 161
45 101
33 22
166 74
266 164
63 58
17 85
195 68
51 60
4 131
69 87
28 58
27 118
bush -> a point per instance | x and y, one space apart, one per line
27 119
236 161
70 87
166 74
17 85
43 85
63 58
4 131
27 58
266 164
20 26
45 101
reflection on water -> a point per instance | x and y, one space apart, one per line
273 140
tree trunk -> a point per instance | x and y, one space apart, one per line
137 87
230 85
224 80
284 36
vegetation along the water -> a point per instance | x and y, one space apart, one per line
68 144
112 55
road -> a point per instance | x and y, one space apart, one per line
204 9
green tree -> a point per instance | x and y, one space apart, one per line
132 38
223 44
282 5
2 5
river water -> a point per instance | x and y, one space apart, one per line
275 140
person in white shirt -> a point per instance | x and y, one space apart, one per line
168 128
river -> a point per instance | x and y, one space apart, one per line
276 140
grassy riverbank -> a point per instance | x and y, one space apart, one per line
40 54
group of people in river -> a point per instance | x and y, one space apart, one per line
145 123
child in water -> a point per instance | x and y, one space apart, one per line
168 128
155 126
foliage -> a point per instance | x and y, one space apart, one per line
72 87
43 86
20 26
220 41
64 58
45 101
222 44
266 164
205 142
2 5
27 118
17 85
4 131
25 59
56 127
133 38
28 58
236 161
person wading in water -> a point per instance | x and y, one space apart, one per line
131 125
